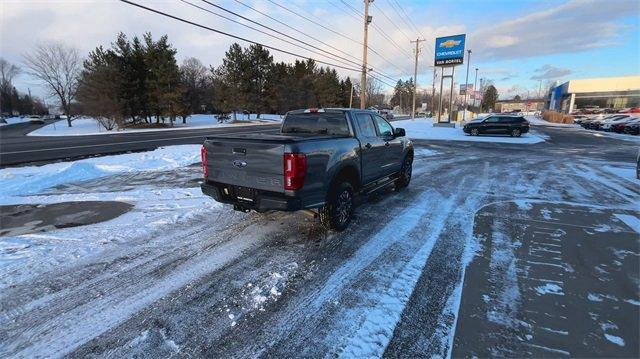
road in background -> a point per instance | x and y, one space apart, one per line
18 148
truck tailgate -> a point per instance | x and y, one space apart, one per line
245 162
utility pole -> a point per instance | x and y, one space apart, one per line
466 87
415 77
365 48
475 83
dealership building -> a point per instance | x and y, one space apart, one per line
605 92
520 105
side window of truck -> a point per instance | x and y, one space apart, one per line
384 128
365 125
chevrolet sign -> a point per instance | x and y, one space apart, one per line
450 50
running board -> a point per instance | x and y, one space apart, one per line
378 186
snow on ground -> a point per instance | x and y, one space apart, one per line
155 208
422 128
538 121
23 181
624 171
14 120
91 126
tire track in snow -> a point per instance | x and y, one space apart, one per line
70 328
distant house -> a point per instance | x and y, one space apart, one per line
520 105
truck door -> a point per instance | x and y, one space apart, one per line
391 155
371 147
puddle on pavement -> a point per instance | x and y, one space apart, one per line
36 218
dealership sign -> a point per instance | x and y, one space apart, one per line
450 50
466 87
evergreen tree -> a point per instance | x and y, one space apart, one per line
489 98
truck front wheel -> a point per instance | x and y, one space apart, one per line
404 177
336 213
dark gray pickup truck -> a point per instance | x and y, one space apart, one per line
319 161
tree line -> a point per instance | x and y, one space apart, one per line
13 102
139 81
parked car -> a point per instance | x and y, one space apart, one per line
619 127
35 119
497 124
387 114
632 128
607 125
598 124
631 110
319 161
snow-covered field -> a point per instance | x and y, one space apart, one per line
422 128
14 120
18 182
155 208
91 126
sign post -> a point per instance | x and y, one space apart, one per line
449 52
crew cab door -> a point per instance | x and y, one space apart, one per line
392 155
371 145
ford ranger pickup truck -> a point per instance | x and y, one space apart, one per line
319 161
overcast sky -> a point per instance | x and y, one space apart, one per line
514 43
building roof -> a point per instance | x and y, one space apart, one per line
602 84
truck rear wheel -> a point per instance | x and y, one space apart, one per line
336 213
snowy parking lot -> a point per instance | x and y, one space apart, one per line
495 249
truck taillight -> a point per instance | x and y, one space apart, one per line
203 154
295 169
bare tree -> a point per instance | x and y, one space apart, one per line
58 67
7 72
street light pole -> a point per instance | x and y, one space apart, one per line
363 79
475 83
466 87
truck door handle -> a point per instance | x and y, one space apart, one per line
368 145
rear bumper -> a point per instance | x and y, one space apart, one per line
263 201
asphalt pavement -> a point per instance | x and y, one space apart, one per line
17 148
494 250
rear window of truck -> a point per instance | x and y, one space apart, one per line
325 123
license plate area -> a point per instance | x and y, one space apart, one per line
244 194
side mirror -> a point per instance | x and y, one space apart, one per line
399 132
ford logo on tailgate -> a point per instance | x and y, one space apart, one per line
239 163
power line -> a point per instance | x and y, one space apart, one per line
359 16
310 20
318 24
405 15
320 52
394 24
305 34
378 30
234 36
397 8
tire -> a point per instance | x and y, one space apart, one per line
516 132
475 132
405 173
337 212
